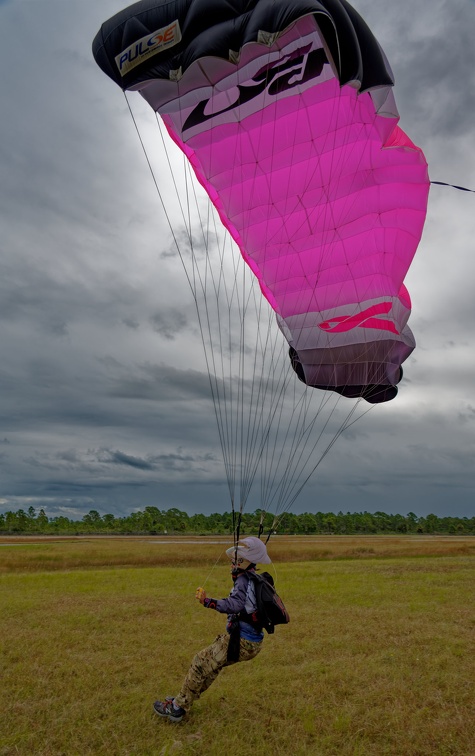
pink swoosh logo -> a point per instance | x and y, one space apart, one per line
364 319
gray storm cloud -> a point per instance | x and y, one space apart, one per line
104 393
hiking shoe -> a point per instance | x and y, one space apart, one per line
166 708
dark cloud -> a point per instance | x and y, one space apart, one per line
131 323
169 323
161 383
104 390
467 415
119 458
189 245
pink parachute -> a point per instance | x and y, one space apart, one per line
288 119
285 112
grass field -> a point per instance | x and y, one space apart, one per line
378 658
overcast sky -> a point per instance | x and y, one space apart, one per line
104 400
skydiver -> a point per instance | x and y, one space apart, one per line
242 640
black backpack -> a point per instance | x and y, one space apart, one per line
270 607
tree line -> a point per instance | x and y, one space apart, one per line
153 521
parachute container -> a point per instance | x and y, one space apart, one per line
285 112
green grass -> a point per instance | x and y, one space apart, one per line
378 659
37 553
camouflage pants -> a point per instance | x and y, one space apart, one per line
207 665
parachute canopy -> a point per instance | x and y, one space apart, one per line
286 114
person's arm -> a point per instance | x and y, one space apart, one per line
231 605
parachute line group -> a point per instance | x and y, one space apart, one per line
270 425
